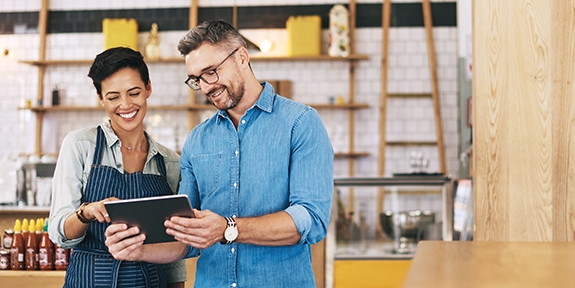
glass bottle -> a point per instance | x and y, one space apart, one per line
8 235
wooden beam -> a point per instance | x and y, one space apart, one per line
428 21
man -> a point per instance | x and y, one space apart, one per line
260 171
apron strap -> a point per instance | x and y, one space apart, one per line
100 145
161 164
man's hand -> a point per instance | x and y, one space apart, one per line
125 243
203 231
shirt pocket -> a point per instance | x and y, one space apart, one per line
207 172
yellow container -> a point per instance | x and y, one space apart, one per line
304 35
121 32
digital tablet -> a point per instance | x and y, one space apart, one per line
149 214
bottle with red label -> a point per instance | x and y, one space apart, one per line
32 248
61 258
17 248
46 250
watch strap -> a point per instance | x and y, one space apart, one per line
80 214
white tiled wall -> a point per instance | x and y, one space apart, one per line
313 82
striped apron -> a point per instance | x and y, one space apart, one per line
90 263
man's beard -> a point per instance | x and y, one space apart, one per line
235 94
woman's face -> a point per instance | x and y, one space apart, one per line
124 96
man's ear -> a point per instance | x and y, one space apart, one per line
244 55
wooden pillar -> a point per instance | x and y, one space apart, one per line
523 115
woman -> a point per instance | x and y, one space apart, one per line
115 160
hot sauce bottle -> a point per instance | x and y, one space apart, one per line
17 248
39 226
62 256
25 230
32 248
46 250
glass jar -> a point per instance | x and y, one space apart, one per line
4 259
8 236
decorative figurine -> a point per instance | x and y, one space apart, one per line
338 31
152 49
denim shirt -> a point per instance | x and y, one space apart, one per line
280 158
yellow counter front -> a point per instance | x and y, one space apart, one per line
368 273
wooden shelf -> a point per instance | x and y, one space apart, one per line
29 273
89 61
99 108
351 154
411 143
409 95
352 57
24 209
340 106
32 279
181 59
183 107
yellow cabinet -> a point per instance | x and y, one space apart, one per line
370 273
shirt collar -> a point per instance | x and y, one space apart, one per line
112 139
265 102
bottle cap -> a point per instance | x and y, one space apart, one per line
25 224
17 226
32 225
39 224
45 225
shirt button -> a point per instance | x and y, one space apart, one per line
234 284
233 250
235 184
233 216
237 152
243 121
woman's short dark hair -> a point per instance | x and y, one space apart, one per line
114 59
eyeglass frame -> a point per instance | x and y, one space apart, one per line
194 81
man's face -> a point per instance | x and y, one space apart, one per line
214 63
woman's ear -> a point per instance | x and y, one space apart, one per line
100 99
149 88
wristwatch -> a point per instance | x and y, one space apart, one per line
231 232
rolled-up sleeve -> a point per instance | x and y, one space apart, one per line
311 178
66 190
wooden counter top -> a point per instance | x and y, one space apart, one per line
492 264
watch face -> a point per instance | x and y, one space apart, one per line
231 234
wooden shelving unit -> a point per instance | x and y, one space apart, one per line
255 58
191 106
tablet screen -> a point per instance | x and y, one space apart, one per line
149 214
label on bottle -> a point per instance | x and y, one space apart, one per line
31 259
45 259
61 259
16 259
8 236
4 259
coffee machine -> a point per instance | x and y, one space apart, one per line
34 184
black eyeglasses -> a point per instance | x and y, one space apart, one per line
209 77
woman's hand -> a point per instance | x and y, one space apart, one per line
97 210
